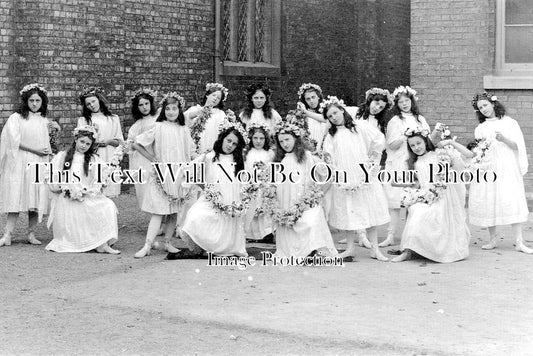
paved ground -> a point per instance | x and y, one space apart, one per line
93 304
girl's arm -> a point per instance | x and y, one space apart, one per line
395 136
144 152
39 152
500 137
311 114
462 149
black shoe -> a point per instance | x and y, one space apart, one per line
348 259
183 255
268 239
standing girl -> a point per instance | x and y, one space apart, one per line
96 113
311 97
360 203
24 140
503 201
83 218
259 109
171 143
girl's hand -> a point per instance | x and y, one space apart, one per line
43 152
499 136
300 106
112 142
444 143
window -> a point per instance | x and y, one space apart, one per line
248 37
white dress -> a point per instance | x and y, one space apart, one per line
367 206
211 230
257 227
210 133
81 226
438 231
108 127
397 159
136 160
317 131
502 202
17 192
311 231
259 118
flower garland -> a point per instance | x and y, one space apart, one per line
146 91
173 200
32 86
217 87
306 86
379 91
480 159
199 125
235 209
330 101
293 123
406 90
77 192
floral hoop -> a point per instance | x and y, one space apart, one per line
235 209
331 100
483 96
407 90
379 91
217 87
173 95
91 91
417 131
306 86
228 125
145 91
32 86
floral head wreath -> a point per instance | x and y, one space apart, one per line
483 96
145 91
173 95
290 125
407 90
379 91
331 100
86 128
228 124
92 91
216 87
416 132
32 86
304 87
257 125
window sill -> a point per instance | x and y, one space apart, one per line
508 81
250 69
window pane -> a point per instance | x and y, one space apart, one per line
518 12
518 45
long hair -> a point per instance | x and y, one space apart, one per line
364 110
86 113
162 116
24 108
413 157
348 119
320 98
299 149
414 107
250 92
87 155
135 112
237 153
210 91
499 111
251 134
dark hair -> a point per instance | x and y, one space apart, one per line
103 107
250 92
318 93
135 112
24 108
162 116
251 134
348 119
237 153
499 110
413 157
212 90
414 106
87 155
364 110
299 148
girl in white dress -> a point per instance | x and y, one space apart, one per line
171 143
259 108
212 224
436 226
311 97
83 218
258 227
96 113
205 118
502 202
359 203
24 140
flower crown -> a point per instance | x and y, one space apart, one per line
302 89
483 96
405 90
330 101
379 91
291 124
216 87
91 91
142 91
417 131
86 128
31 86
228 124
173 95
257 125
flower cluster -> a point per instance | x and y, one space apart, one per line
87 128
480 150
146 91
91 91
446 134
217 87
77 191
199 125
256 125
291 124
379 91
304 87
330 101
173 95
483 96
32 86
407 90
410 132
116 159
236 208
229 125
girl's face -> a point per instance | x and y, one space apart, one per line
35 102
230 143
213 99
417 144
92 103
83 143
258 140
259 99
335 116
404 103
287 141
311 99
377 106
144 106
486 108
172 111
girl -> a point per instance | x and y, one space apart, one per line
170 141
358 204
310 232
377 102
502 202
210 224
83 218
205 119
259 109
258 227
311 97
406 116
24 140
96 113
436 228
